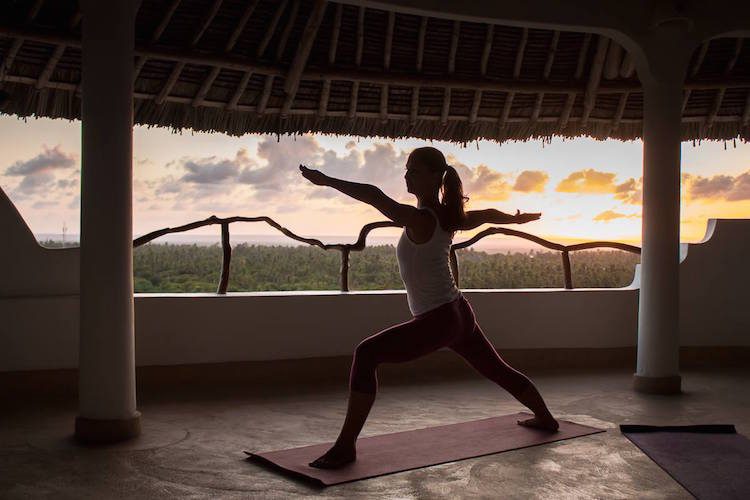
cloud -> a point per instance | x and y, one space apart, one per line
588 181
48 159
717 187
482 182
630 191
609 215
38 174
531 181
210 170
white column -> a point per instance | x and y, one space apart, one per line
107 403
657 368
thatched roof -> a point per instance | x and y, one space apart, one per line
298 66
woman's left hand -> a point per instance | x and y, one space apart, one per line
315 176
524 218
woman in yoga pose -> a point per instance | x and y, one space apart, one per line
442 317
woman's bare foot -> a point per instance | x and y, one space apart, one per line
336 457
547 423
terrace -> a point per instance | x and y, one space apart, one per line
661 71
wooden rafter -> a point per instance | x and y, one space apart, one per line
545 74
73 87
620 111
249 9
568 107
18 42
303 52
357 59
451 69
613 61
209 17
141 61
414 108
505 114
50 66
384 91
694 71
167 88
205 86
746 112
489 36
268 83
232 104
271 28
594 78
627 68
325 91
237 95
720 92
57 54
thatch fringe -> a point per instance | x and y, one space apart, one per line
27 101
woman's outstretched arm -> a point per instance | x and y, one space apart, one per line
476 218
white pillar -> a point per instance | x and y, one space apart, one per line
106 385
663 77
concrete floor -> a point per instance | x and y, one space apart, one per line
193 439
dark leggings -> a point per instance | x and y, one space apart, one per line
451 325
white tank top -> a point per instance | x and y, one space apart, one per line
425 269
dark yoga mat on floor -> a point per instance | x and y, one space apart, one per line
400 451
710 461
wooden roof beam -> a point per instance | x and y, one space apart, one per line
620 111
57 53
451 69
73 87
249 9
746 112
694 70
594 78
547 70
387 64
232 104
420 58
16 44
720 92
173 76
206 22
326 90
50 66
141 61
488 39
357 59
570 100
303 53
268 84
627 68
271 28
505 114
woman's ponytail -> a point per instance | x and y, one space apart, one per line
453 197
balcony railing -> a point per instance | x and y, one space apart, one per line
359 245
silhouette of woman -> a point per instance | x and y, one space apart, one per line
442 317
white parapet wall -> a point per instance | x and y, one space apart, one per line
39 307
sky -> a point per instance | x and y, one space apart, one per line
584 188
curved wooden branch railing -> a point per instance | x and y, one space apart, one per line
359 245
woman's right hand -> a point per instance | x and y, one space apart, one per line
526 217
315 176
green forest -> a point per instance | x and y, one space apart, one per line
164 267
193 268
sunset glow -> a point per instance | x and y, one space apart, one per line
585 189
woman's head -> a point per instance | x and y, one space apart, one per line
428 173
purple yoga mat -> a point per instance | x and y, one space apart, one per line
400 451
710 461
